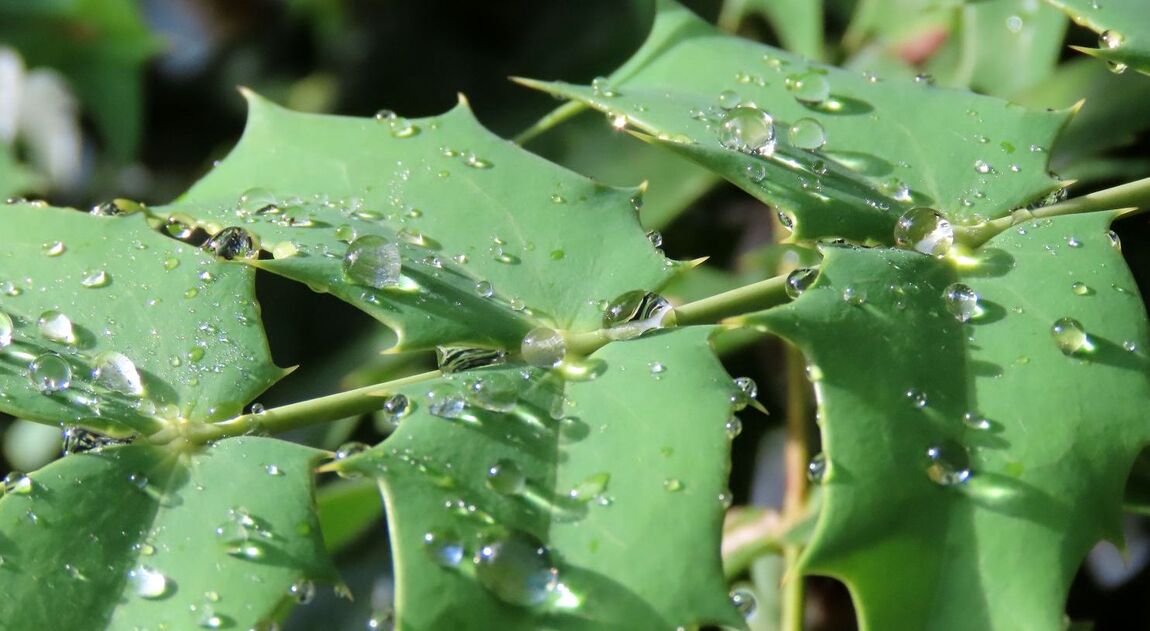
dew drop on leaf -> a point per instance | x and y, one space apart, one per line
1081 289
674 485
373 261
961 301
733 427
543 347
1071 337
807 133
273 470
924 230
854 296
817 468
395 408
233 243
96 279
347 450
634 313
590 487
729 99
443 401
800 280
117 373
748 130
56 327
17 483
444 547
744 601
1115 242
6 329
484 289
494 392
811 88
506 477
50 373
949 464
302 591
149 583
517 569
53 248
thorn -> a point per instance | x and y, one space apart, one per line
461 99
1074 109
693 263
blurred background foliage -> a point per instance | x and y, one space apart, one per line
136 98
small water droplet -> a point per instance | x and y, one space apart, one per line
1071 337
1129 346
1115 241
95 279
373 261
748 130
961 301
506 477
17 483
273 470
50 373
657 368
982 167
543 347
924 230
394 409
1081 289
817 468
744 601
811 88
350 449
443 401
444 547
800 280
57 327
733 427
495 392
601 87
591 487
634 313
1072 242
6 329
303 591
976 421
54 248
728 99
149 583
656 238
117 373
807 133
233 243
674 485
854 296
949 464
517 569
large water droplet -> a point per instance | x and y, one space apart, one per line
949 464
149 583
506 477
50 373
116 372
810 87
395 407
924 230
807 133
748 130
543 347
800 280
444 547
57 327
373 261
744 601
517 569
1071 337
17 483
634 313
233 243
961 301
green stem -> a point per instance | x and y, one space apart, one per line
754 297
301 414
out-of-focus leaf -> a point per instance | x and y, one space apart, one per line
798 23
1123 27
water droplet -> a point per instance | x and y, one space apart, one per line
381 621
273 470
476 162
1110 39
350 449
444 547
854 296
590 487
443 401
495 392
800 280
744 601
961 301
949 464
303 591
1071 338
733 427
982 167
656 238
54 248
394 409
817 468
976 421
148 583
373 261
506 477
50 373
1115 241
543 347
748 130
807 133
1129 346
1081 289
17 483
657 368
517 569
674 485
233 243
1072 242
95 279
811 88
452 359
57 327
6 329
924 230
116 372
728 99
601 87
634 313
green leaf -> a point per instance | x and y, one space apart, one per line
13 178
989 158
187 321
347 510
1123 27
128 537
798 23
1049 438
100 46
899 21
639 549
464 206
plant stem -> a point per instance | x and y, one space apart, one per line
304 413
754 297
796 455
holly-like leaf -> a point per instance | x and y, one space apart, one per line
967 478
100 46
491 239
144 536
1123 27
880 147
115 326
623 492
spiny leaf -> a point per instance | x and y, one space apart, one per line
1047 425
884 148
1123 27
100 46
142 536
174 330
470 213
623 490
